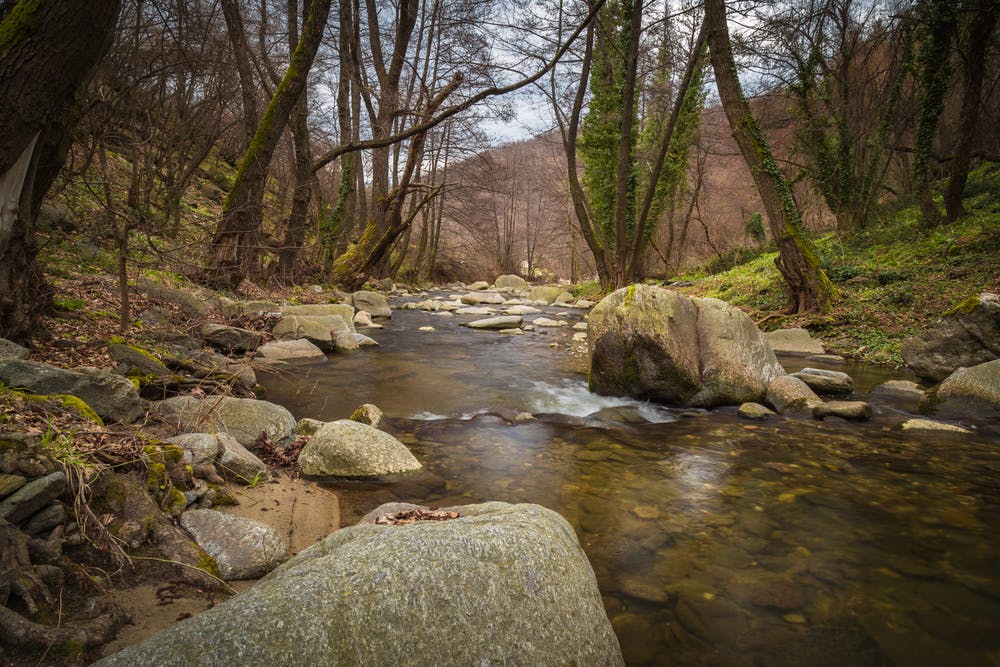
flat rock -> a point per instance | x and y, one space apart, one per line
32 497
850 410
793 341
500 585
501 322
290 349
231 339
45 519
521 310
242 548
10 483
475 310
826 382
548 322
346 448
243 418
112 396
479 285
931 425
477 298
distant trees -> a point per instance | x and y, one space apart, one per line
622 152
38 106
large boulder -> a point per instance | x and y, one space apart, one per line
372 303
132 360
239 464
967 336
477 298
11 350
242 548
112 396
243 418
510 282
320 330
500 585
787 392
652 343
970 392
346 448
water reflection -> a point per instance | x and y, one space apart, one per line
715 541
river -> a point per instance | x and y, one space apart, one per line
715 541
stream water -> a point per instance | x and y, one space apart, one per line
715 541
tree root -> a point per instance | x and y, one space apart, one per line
105 618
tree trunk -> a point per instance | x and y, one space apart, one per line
982 24
38 88
298 217
236 246
236 31
807 284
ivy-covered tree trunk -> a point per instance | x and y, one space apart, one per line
982 22
938 23
48 49
807 283
235 250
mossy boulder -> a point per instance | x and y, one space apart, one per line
510 282
968 335
240 548
545 293
111 396
69 403
655 344
134 361
499 585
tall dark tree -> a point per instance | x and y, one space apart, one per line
807 283
48 50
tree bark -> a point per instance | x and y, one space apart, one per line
236 246
807 284
48 49
982 25
236 31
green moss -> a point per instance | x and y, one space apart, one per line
965 307
19 24
156 477
70 403
174 502
208 564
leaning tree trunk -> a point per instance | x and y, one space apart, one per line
808 285
236 246
48 49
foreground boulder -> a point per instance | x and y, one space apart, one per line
788 393
243 418
652 343
111 396
320 330
967 336
970 392
346 448
500 585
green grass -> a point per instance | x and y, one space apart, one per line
896 278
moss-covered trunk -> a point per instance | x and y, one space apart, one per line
807 283
235 250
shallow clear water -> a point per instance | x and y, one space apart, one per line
715 541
